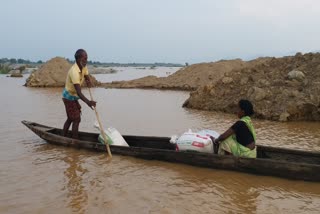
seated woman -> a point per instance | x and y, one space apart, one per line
239 140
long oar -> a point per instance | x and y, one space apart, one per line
101 128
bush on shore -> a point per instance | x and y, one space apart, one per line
4 69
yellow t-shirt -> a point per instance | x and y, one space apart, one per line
75 76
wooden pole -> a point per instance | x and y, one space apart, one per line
101 128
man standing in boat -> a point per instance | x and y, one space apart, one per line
72 92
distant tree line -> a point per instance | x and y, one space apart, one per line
18 61
97 63
114 64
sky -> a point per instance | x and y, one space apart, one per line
171 31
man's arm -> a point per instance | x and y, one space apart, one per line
90 103
88 81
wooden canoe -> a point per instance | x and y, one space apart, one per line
280 162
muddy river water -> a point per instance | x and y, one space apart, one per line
36 177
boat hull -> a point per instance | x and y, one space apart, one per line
271 161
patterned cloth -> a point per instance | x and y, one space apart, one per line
73 109
68 96
248 122
236 149
232 146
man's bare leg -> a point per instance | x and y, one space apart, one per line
75 129
66 127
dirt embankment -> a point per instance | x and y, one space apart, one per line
52 74
187 78
282 89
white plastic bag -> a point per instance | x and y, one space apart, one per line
113 136
174 139
207 132
190 141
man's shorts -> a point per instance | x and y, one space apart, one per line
73 109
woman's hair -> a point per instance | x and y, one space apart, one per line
247 107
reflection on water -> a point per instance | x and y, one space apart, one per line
76 191
36 177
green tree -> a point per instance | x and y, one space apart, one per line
4 69
13 61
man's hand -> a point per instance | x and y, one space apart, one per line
88 81
92 104
89 84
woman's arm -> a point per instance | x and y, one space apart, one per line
224 136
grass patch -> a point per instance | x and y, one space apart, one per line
4 69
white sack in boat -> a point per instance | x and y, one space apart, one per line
191 141
113 136
208 132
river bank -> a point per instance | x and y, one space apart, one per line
281 89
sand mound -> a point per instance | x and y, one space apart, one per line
282 89
52 74
187 78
